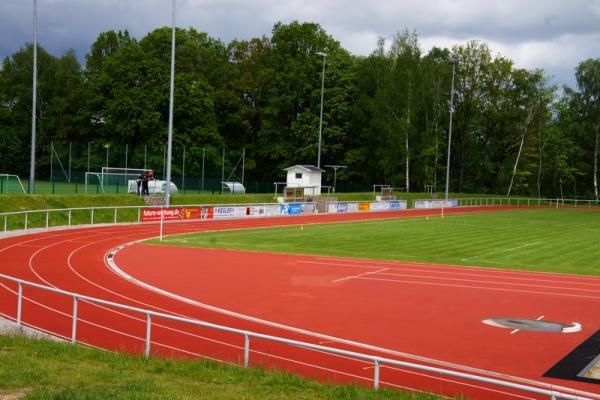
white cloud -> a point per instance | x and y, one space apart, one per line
552 34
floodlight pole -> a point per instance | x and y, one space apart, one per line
321 117
170 137
34 102
335 168
450 129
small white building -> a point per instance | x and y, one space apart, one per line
305 176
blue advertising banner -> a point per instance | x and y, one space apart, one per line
295 209
342 207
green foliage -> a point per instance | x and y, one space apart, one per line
385 116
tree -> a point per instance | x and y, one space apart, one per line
290 114
587 100
58 105
128 94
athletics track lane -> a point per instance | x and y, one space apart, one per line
74 260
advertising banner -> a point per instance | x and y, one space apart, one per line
295 209
364 207
290 209
271 210
240 211
379 206
398 205
352 207
223 212
342 207
175 214
207 213
192 213
331 208
435 204
308 208
154 214
256 211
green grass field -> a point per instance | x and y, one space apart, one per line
40 369
553 240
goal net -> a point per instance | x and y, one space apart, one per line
113 180
11 184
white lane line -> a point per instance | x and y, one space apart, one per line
360 275
481 288
501 251
462 269
492 282
481 275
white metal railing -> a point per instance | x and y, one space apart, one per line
91 215
115 214
377 361
517 201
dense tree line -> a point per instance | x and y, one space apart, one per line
386 116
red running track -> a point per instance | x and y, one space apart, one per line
430 314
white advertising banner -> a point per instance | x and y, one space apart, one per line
352 207
380 206
428 204
224 212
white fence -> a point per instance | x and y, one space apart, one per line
376 361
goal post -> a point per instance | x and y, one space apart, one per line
117 182
10 183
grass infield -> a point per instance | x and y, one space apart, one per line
552 240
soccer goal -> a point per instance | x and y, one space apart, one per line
10 183
113 180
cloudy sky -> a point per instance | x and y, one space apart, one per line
551 34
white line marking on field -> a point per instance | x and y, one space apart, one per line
360 275
501 251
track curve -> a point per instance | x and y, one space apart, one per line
76 260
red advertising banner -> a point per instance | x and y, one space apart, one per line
176 214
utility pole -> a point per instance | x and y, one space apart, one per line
335 168
170 137
321 117
34 102
454 62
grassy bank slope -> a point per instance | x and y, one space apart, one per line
40 369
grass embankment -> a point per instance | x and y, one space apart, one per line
20 202
40 369
550 240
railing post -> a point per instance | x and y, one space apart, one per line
74 327
92 217
138 217
246 350
376 376
116 215
19 305
148 332
5 223
69 218
26 214
47 212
